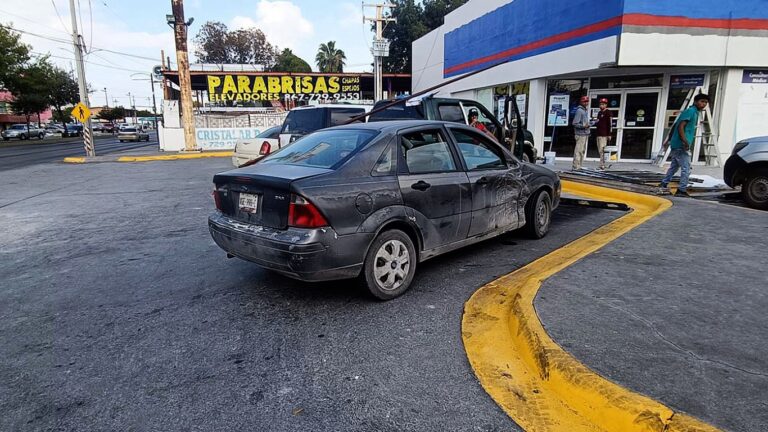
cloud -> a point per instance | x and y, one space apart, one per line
281 21
351 15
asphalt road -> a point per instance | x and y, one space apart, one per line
120 313
20 155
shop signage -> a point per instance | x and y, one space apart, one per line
686 81
222 138
248 88
520 100
755 77
558 110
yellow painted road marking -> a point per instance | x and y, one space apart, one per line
165 157
175 156
537 383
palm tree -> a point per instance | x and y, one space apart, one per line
329 59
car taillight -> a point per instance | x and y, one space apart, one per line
265 148
216 198
304 214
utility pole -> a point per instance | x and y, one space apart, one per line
380 47
106 97
185 82
154 103
81 83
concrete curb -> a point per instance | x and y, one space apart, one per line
535 381
147 158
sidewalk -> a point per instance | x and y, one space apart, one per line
674 310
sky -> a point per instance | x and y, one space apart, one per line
124 37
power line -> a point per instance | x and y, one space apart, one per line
86 61
69 42
53 2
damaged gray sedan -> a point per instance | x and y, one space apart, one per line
375 200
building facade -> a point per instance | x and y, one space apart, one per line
644 56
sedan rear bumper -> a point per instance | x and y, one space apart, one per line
306 254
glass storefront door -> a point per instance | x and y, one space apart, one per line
639 124
634 121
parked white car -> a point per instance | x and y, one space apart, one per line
247 150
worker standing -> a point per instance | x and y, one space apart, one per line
581 131
604 129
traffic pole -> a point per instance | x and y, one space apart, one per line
185 82
78 48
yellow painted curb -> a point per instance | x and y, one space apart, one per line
537 383
74 160
174 157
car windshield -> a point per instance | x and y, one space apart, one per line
304 121
128 130
324 149
270 133
18 127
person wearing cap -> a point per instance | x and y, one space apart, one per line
681 143
475 123
604 128
581 131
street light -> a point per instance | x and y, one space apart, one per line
151 83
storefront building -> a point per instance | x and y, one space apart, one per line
644 56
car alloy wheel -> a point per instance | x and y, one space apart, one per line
389 265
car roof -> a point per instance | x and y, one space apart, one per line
397 125
309 107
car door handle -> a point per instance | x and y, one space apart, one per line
482 181
421 185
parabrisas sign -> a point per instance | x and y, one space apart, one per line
247 88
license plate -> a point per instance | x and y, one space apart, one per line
249 203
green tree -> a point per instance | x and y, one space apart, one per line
329 59
215 43
401 34
414 20
112 114
287 61
31 89
211 43
62 91
13 56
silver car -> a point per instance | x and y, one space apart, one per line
132 134
22 132
748 167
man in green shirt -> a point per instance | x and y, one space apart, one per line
681 143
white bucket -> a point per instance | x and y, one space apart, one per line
609 150
549 158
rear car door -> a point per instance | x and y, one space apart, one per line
433 186
495 181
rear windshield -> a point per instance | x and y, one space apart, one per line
272 132
398 112
324 149
304 121
129 130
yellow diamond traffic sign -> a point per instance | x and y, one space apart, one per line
81 112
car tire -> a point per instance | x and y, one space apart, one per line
22 137
538 214
389 265
755 189
40 136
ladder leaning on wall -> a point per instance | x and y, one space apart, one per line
706 136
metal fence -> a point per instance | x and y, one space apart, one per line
239 120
